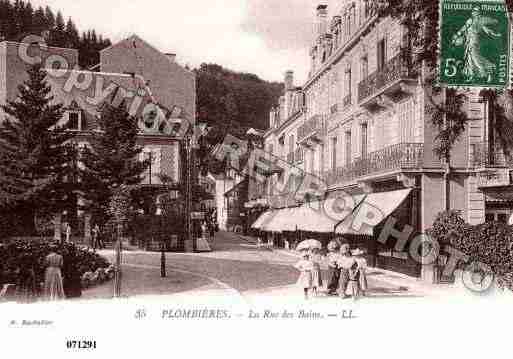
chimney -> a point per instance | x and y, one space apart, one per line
171 57
289 80
322 20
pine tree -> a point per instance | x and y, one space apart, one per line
39 22
37 150
72 36
58 33
112 161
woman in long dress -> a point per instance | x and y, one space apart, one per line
53 277
345 262
316 271
305 267
362 268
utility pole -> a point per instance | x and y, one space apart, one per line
188 236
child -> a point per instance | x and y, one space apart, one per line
362 266
305 266
354 279
316 271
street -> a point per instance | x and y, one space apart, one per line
235 267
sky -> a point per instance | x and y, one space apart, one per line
265 37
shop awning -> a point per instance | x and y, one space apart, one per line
312 217
261 220
373 210
285 220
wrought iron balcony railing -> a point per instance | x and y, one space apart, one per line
404 155
393 71
313 127
485 154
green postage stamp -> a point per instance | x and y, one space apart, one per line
475 48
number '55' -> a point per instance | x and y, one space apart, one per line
451 67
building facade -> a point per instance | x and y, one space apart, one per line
155 90
360 123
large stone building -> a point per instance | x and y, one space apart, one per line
361 124
153 86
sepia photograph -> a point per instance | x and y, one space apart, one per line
265 168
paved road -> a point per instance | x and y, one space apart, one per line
235 265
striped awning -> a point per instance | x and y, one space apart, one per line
264 217
373 210
284 220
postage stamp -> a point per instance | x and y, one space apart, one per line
475 46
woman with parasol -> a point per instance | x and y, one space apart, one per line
310 276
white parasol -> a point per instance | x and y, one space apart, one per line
309 244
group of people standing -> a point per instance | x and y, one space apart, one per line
347 277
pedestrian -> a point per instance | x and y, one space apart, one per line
94 238
354 281
315 257
72 281
333 268
100 242
53 276
345 261
359 256
26 287
305 267
68 232
212 230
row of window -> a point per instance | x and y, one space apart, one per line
347 98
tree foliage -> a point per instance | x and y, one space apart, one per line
490 243
36 157
231 103
112 160
19 19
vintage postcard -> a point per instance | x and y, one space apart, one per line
255 177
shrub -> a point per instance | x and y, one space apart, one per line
490 243
19 254
446 224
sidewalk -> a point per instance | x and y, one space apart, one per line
402 281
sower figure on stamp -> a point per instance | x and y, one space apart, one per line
471 35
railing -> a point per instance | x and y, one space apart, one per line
394 70
347 100
298 156
485 155
404 155
313 126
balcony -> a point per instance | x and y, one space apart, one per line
313 130
483 155
395 157
392 82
